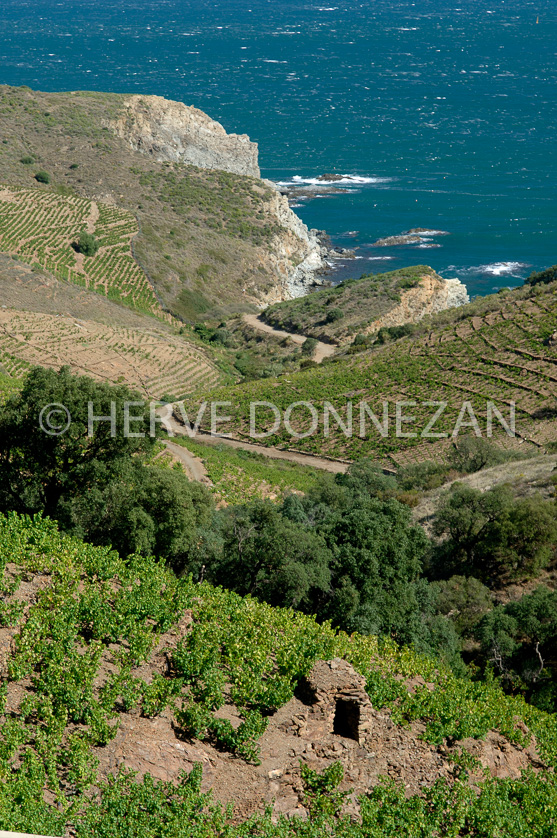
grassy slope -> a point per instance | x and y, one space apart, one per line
240 476
202 233
493 349
40 228
361 301
201 239
61 700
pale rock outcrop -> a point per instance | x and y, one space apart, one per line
172 131
432 295
298 256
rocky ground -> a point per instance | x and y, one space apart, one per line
315 727
329 719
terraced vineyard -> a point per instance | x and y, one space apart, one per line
40 228
156 363
85 637
239 476
498 349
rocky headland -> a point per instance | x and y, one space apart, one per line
174 132
212 237
432 295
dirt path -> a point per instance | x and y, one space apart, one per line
93 217
194 466
533 475
333 466
322 350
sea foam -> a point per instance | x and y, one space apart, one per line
499 269
344 180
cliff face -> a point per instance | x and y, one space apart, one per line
172 131
297 255
214 237
432 295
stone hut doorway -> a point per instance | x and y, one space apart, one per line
346 721
337 702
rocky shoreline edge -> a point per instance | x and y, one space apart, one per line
299 259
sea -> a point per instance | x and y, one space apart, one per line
439 115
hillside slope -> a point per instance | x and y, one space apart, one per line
211 241
42 229
363 306
53 323
158 674
497 349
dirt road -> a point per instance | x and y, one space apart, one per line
333 466
194 466
322 350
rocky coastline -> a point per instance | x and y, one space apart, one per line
173 132
168 131
297 258
302 258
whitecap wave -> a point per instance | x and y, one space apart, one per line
497 269
431 233
343 180
501 268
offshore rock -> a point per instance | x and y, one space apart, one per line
417 235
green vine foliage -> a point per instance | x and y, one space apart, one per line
92 608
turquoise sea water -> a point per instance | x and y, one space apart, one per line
447 111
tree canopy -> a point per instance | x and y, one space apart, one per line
94 477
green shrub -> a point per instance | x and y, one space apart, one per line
334 315
87 244
387 333
407 282
470 454
543 277
487 533
423 476
42 177
222 336
27 160
309 346
465 599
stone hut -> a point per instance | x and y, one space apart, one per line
337 702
